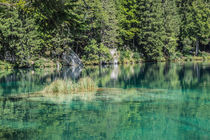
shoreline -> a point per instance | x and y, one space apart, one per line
132 61
7 66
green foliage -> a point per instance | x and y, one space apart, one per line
171 24
43 63
187 46
96 53
129 22
157 29
195 23
136 56
109 24
126 56
152 30
92 51
5 65
20 39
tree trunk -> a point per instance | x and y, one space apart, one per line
133 44
197 47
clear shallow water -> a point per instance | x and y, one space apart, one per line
146 101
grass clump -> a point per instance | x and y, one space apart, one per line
68 87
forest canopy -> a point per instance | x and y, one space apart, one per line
147 29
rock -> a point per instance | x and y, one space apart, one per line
115 55
71 58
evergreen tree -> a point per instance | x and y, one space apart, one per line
198 26
19 38
195 25
151 28
129 23
93 19
156 29
109 24
171 23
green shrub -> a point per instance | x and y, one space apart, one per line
204 54
188 58
187 48
5 72
136 56
125 56
41 63
5 65
160 59
96 53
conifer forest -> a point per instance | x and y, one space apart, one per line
150 30
104 69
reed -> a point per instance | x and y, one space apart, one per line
68 87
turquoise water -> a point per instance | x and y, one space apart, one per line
146 101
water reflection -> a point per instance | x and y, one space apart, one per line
28 81
150 75
145 101
182 77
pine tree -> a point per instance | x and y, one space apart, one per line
129 23
171 23
109 24
151 28
20 39
195 26
198 23
99 30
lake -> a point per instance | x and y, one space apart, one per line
161 101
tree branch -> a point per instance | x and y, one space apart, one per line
6 4
87 6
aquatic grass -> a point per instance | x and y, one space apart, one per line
87 84
57 86
69 87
